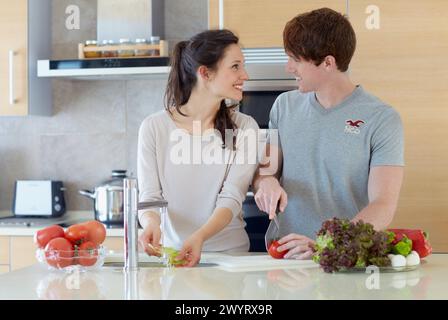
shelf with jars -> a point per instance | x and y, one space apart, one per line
126 49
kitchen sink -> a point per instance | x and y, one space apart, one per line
150 264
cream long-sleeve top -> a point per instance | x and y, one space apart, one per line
196 175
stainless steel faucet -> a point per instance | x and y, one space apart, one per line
131 207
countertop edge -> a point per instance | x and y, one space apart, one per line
24 231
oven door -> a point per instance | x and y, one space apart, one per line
260 95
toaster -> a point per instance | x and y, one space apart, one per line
38 198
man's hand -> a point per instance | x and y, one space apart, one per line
298 246
269 194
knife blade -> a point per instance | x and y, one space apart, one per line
276 220
273 231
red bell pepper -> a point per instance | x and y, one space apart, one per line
419 239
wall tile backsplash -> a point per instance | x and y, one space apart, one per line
94 125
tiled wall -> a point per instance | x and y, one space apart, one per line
94 125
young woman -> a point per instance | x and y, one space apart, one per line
188 156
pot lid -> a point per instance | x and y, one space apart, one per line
116 179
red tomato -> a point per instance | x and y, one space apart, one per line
96 230
77 234
42 237
273 250
87 254
59 253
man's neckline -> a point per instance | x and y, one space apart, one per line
315 103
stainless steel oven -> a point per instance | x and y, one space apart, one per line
266 82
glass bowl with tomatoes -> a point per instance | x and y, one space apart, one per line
82 258
79 247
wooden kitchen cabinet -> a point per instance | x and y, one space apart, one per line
4 255
25 33
23 252
4 250
260 23
4 269
114 243
403 63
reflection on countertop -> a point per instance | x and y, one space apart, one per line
428 282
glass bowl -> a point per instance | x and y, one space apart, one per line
73 260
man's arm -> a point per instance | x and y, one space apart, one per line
384 191
270 166
266 185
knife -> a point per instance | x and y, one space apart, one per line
273 231
276 221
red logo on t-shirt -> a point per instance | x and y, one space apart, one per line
354 123
352 126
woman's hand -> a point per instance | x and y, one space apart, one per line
151 235
149 240
298 246
191 250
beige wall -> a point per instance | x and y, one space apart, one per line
403 62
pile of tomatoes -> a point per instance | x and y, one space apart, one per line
77 245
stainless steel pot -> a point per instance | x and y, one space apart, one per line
108 199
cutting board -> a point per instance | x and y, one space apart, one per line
229 262
255 262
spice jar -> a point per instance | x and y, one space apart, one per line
155 41
108 53
126 52
141 51
91 54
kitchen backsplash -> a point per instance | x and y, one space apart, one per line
95 124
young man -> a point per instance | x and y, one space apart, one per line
340 149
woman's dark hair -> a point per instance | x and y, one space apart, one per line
204 49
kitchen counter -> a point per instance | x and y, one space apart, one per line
303 281
69 218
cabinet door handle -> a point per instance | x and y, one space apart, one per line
12 101
221 14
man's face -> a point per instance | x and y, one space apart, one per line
307 74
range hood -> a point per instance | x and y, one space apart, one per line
131 19
117 19
146 18
103 69
262 65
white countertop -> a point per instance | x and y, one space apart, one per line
75 216
301 281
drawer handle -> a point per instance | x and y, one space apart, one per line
12 100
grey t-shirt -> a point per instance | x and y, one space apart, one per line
328 153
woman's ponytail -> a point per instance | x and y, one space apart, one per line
178 89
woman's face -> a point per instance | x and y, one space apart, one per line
227 80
